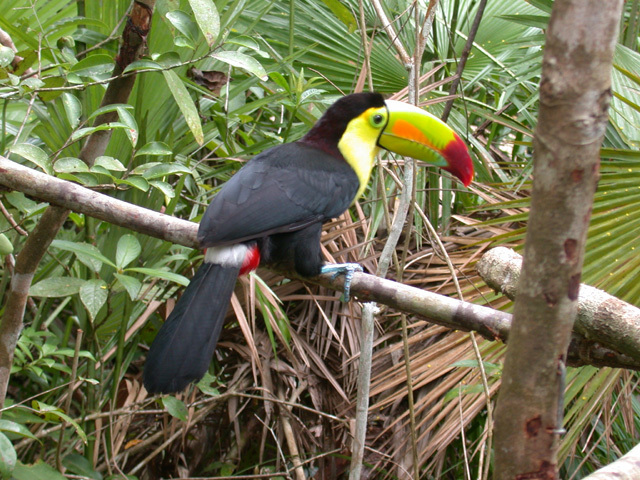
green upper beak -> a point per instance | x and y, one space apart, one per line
412 132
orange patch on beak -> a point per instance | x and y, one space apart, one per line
407 130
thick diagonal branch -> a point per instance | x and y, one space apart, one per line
452 313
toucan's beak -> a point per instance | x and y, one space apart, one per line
413 132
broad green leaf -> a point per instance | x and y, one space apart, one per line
75 463
83 132
114 107
56 287
70 165
168 59
6 247
110 163
143 64
128 119
207 18
50 410
152 272
134 181
249 42
6 56
93 65
240 60
51 82
132 285
154 149
140 169
8 457
85 250
164 169
164 187
185 103
17 428
102 171
175 407
94 294
33 154
37 471
127 251
182 21
72 107
343 13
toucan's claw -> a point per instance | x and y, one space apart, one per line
346 269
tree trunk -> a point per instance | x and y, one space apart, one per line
574 99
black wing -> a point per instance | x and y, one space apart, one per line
282 189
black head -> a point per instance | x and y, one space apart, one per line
328 130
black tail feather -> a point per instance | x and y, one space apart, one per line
183 348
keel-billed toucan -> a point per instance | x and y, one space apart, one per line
272 210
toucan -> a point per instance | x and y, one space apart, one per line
272 210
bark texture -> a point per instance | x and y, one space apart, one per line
574 100
601 318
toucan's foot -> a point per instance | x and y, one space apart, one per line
346 269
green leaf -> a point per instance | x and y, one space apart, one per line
51 82
152 272
175 407
70 165
6 56
99 169
143 64
342 13
207 18
16 428
132 285
240 60
140 169
155 149
110 163
183 23
72 107
164 187
128 119
127 251
6 247
33 154
84 251
134 181
94 294
164 169
248 42
56 287
8 457
37 471
185 103
50 410
93 65
83 132
114 107
79 465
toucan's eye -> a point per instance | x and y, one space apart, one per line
377 120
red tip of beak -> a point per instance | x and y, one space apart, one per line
459 161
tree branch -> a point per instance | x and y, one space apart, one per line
455 314
80 199
601 317
575 90
626 467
